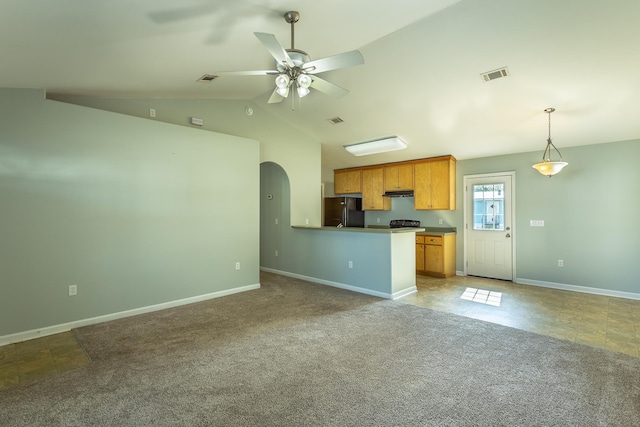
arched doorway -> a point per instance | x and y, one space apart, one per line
275 215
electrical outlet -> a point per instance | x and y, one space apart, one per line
276 252
237 266
276 221
350 264
440 221
560 263
306 221
73 290
152 112
378 220
536 223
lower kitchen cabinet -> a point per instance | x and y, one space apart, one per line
436 254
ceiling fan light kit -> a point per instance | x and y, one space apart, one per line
548 167
383 145
295 67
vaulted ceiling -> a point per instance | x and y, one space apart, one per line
421 79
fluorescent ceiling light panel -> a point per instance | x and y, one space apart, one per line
383 145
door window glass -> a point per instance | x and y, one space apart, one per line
488 206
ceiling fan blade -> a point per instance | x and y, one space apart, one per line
275 48
328 87
275 97
341 60
247 73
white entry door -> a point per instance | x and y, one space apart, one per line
489 234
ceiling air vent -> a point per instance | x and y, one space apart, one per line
335 120
495 74
207 78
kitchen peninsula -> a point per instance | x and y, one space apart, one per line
374 261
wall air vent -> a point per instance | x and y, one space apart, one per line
495 74
335 120
207 78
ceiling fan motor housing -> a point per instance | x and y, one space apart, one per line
299 58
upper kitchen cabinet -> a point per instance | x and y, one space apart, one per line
372 189
347 181
398 177
435 187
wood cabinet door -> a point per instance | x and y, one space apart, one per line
372 189
405 177
398 177
434 259
347 182
420 264
422 193
435 185
440 185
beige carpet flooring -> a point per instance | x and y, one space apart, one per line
296 353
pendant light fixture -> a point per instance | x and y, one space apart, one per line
548 167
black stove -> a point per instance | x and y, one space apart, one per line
404 223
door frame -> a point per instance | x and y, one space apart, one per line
466 209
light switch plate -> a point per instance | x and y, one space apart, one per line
536 223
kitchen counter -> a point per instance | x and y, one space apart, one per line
374 261
380 230
438 230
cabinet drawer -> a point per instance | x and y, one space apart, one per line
419 239
433 240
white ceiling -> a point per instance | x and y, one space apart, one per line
421 77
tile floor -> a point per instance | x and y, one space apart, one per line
599 321
595 320
31 360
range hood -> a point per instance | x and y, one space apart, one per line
399 193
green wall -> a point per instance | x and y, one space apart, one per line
297 153
134 212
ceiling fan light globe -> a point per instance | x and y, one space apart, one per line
283 91
304 81
282 81
303 91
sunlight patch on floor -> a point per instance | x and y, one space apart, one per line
482 296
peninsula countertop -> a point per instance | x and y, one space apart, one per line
438 231
377 230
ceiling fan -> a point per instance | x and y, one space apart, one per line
296 70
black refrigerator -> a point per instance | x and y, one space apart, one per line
343 210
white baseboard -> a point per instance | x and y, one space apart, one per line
64 327
404 293
366 291
576 288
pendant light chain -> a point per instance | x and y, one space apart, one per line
549 142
